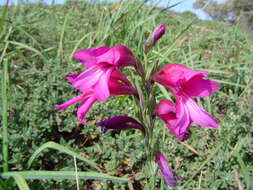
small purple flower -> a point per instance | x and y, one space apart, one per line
120 123
159 32
165 170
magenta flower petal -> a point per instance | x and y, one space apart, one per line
88 78
185 83
166 171
174 75
96 80
176 118
183 122
111 83
70 102
88 56
120 85
198 114
84 108
101 89
100 62
165 106
119 56
159 32
199 87
71 77
120 123
87 99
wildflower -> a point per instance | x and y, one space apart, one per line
100 63
186 83
118 85
165 170
173 115
120 123
159 32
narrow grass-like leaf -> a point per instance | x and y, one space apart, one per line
19 179
62 33
63 149
3 53
5 115
230 83
22 45
2 18
42 175
162 184
244 170
77 182
28 35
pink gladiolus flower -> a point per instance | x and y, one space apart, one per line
159 32
165 170
100 63
173 115
186 83
120 122
118 85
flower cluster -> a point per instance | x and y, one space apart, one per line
103 78
184 83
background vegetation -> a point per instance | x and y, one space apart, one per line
235 11
37 44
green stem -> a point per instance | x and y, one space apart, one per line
4 116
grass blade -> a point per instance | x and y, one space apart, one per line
77 182
4 115
2 18
244 170
21 182
63 149
42 175
21 45
62 34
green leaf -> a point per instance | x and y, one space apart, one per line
21 45
63 149
62 34
19 179
244 170
42 175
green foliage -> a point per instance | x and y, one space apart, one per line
63 149
39 43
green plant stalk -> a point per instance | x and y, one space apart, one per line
146 109
4 116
